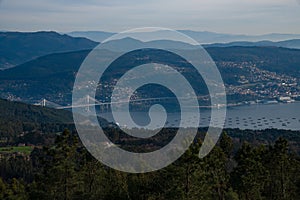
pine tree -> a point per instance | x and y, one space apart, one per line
249 177
284 172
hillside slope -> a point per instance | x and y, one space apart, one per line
17 48
21 122
52 76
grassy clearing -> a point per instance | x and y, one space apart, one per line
26 149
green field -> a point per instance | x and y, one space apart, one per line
26 149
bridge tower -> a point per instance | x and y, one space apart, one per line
88 103
44 102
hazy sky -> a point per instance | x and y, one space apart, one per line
226 16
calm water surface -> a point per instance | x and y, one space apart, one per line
257 116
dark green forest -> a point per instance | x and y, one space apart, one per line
65 170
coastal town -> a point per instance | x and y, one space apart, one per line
261 86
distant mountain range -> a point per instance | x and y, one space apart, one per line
97 36
211 37
203 37
293 44
17 48
125 43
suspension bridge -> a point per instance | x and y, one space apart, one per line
88 102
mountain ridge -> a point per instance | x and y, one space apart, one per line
293 43
203 37
19 47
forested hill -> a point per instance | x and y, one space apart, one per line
18 118
274 59
17 48
293 44
16 111
54 74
